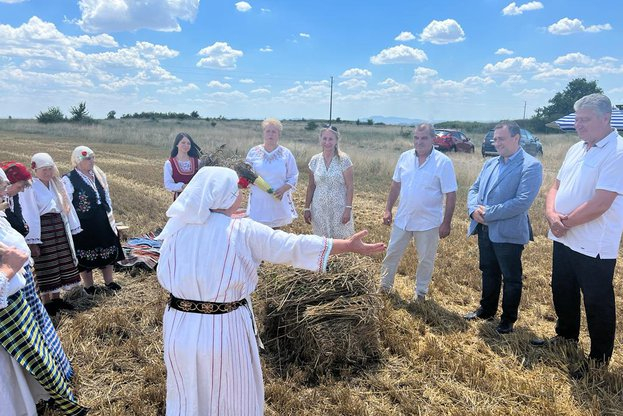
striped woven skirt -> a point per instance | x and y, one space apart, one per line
45 325
54 268
21 338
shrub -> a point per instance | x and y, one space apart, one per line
111 115
311 125
53 115
80 113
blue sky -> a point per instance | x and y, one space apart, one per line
442 60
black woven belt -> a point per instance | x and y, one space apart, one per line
212 308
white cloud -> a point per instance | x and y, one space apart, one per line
512 8
219 56
575 58
504 51
566 26
389 82
514 65
530 93
129 15
179 90
441 32
12 1
266 48
353 83
260 91
513 80
243 6
219 85
404 37
247 81
304 35
451 88
356 73
422 75
263 10
400 54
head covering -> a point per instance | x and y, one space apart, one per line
79 154
3 177
213 187
3 202
16 172
41 160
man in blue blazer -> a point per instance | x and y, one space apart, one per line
498 204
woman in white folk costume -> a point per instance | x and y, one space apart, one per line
329 199
183 164
97 246
210 350
277 166
51 220
33 366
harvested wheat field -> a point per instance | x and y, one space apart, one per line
333 346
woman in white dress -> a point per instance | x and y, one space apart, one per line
210 349
329 198
277 166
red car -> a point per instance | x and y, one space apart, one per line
452 140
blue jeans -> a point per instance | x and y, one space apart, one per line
573 272
499 263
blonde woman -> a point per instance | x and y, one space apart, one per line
329 198
277 166
97 246
51 221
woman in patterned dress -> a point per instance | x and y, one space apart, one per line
183 164
20 179
97 246
210 349
277 166
329 198
51 220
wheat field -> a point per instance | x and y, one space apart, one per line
432 361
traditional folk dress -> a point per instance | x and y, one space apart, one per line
213 364
277 168
11 238
177 174
51 228
329 200
98 245
14 216
31 371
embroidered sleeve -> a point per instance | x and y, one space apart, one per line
4 290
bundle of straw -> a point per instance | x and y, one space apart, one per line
326 323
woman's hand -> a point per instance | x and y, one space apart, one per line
34 250
346 215
307 216
279 192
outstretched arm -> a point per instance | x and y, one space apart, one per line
355 244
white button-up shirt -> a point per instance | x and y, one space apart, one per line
422 188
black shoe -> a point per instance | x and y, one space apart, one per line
90 290
113 286
63 304
553 341
504 327
477 314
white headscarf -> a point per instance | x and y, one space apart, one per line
4 198
211 188
42 160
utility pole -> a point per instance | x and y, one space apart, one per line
524 109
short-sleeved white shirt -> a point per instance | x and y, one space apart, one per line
583 172
422 188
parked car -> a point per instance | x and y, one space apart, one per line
452 140
530 144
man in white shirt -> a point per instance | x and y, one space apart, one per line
584 209
422 178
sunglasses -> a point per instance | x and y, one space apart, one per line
330 127
88 157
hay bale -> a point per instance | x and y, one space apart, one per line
326 323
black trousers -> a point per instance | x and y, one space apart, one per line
500 263
573 273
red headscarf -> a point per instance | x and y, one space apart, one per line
16 172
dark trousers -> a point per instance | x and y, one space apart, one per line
500 262
573 273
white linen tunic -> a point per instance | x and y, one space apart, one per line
277 168
213 364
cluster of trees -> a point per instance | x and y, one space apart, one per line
79 114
